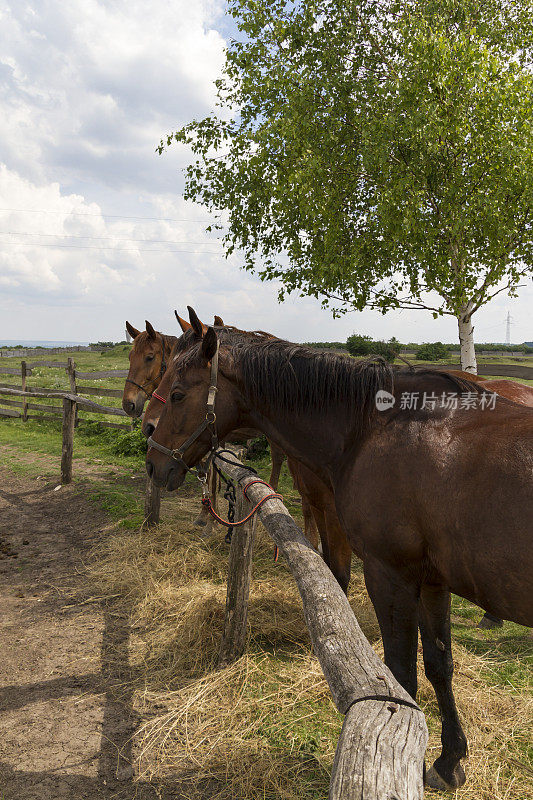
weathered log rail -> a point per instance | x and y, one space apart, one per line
381 748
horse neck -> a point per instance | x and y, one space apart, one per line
168 342
317 439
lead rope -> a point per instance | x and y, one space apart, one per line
230 495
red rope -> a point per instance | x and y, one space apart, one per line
207 503
158 397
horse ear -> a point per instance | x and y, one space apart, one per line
184 325
209 344
149 330
218 321
196 325
133 332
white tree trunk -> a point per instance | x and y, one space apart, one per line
466 337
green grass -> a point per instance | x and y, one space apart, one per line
104 475
507 651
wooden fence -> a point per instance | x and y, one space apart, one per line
17 400
49 351
19 408
380 753
490 370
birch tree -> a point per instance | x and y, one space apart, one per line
374 153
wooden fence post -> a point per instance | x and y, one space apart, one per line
152 503
71 372
23 371
69 417
238 591
380 753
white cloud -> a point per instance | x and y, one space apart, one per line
87 89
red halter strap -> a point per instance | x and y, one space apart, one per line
158 397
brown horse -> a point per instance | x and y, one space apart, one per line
517 392
148 357
142 370
320 500
433 499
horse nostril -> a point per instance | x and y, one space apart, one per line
128 407
148 429
149 468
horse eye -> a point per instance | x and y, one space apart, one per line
177 396
149 358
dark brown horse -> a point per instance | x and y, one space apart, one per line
320 500
433 499
142 370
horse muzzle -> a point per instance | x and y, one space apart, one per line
134 408
164 471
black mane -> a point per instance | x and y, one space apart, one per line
292 378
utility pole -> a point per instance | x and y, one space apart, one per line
508 333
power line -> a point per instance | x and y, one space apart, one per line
114 249
107 238
90 214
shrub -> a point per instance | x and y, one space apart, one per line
258 448
431 351
386 350
358 345
130 443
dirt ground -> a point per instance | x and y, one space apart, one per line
65 720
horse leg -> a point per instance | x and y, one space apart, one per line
489 621
310 526
435 632
336 551
278 457
203 518
339 551
395 600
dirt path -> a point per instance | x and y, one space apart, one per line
65 726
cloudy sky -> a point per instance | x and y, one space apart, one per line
93 226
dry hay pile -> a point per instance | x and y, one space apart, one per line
265 727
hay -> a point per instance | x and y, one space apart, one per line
265 727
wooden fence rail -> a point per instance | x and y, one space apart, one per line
490 370
72 376
49 351
380 753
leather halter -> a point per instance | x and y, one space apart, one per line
209 422
161 371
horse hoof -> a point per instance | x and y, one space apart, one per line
200 521
435 781
488 622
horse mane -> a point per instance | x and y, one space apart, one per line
294 378
168 340
227 334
